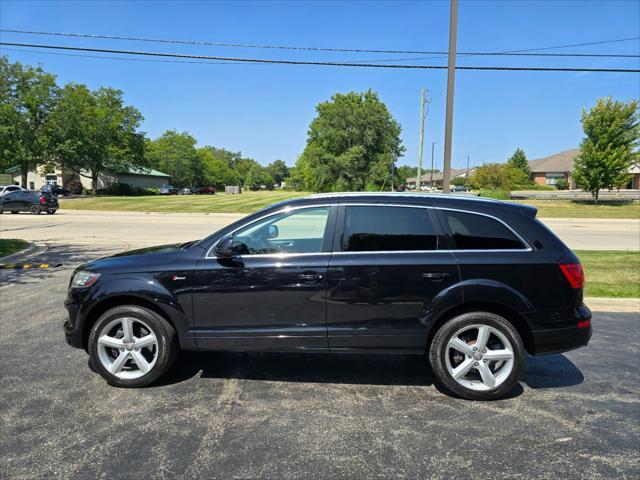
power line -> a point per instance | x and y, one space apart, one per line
307 62
523 52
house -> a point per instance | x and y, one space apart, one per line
135 177
548 170
427 179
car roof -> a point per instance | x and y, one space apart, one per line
455 201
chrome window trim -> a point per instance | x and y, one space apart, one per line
271 214
386 252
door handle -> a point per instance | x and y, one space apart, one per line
310 277
435 276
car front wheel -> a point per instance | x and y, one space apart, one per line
132 346
477 356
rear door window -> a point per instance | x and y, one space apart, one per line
387 228
472 231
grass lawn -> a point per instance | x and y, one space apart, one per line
568 209
611 273
248 202
11 245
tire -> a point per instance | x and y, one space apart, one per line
35 210
107 336
15 212
51 212
481 365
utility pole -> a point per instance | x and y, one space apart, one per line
433 144
423 101
451 74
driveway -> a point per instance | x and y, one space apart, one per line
144 229
225 415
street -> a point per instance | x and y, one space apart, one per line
144 229
285 415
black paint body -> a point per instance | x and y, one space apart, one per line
344 301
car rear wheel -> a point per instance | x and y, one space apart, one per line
132 346
35 210
478 356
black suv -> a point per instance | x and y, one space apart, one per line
473 283
29 201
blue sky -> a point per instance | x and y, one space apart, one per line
264 110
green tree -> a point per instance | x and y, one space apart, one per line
519 160
612 135
217 171
175 154
257 176
278 170
94 131
350 146
27 98
498 176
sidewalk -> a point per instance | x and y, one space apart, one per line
628 305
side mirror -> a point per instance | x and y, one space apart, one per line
272 232
224 249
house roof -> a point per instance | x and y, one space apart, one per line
438 176
559 162
150 172
147 171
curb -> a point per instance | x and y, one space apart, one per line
33 248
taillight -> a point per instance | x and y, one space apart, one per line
584 324
43 200
574 273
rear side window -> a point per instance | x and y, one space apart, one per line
477 232
384 228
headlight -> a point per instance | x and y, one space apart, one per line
84 279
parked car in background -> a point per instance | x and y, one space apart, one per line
55 190
206 190
473 283
9 188
168 190
29 201
460 188
189 191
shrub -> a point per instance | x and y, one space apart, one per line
495 193
75 187
126 190
562 184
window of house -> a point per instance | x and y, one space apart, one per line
478 232
32 186
386 228
552 178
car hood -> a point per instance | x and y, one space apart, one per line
150 258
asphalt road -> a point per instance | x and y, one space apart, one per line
228 415
144 229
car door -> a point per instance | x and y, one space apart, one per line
271 294
10 201
385 276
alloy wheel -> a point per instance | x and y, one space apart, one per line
127 348
479 357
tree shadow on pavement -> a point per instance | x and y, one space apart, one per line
57 256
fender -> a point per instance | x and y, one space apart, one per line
148 289
470 292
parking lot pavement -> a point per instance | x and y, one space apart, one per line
288 416
145 229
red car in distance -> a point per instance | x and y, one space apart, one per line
206 190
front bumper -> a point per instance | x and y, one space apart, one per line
566 335
72 328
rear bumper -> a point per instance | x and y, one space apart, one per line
567 336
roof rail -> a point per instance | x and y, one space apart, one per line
403 194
